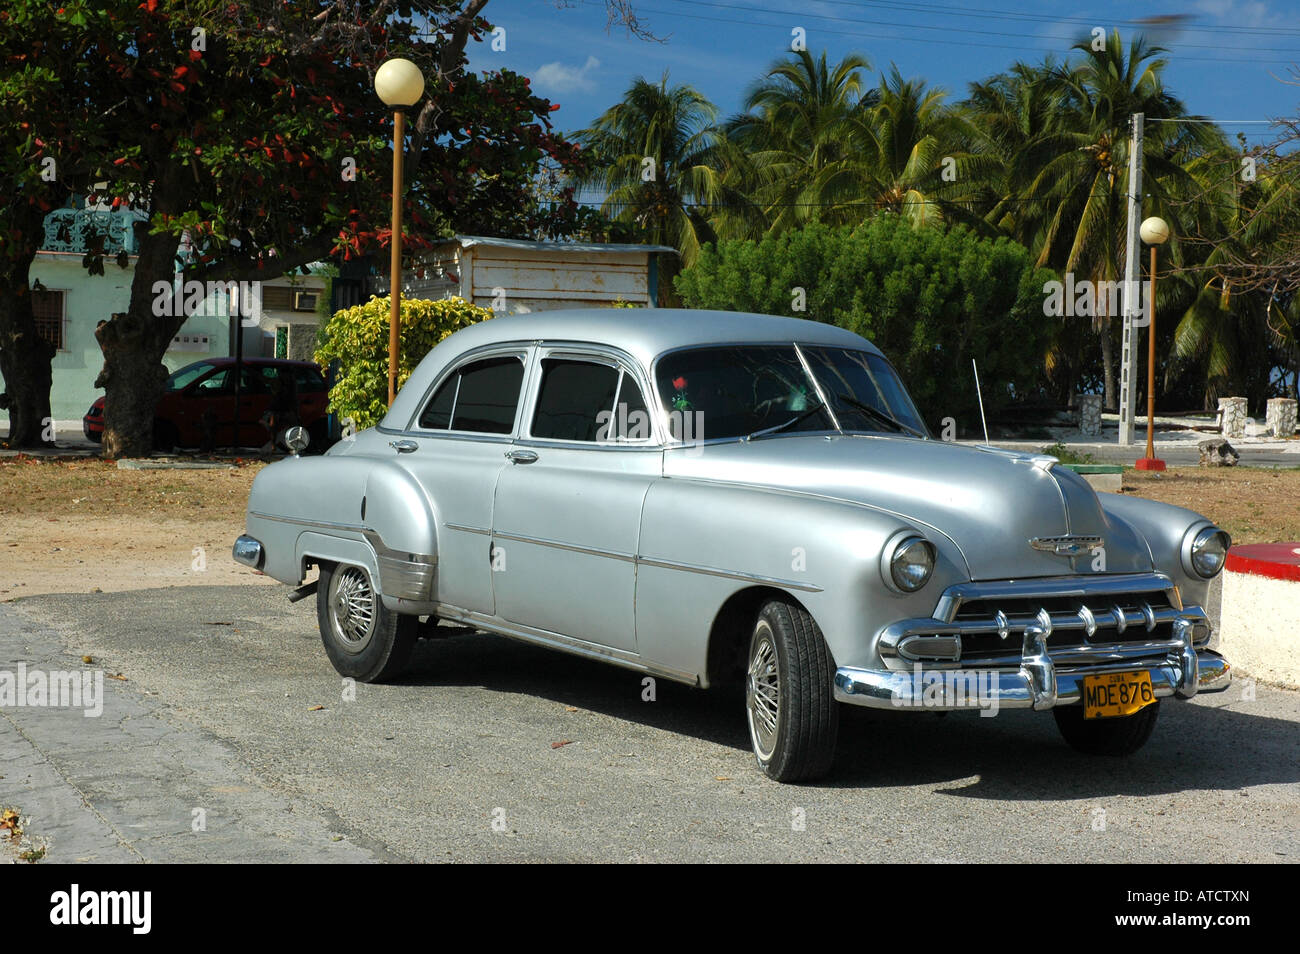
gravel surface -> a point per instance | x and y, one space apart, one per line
228 704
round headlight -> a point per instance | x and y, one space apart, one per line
1207 552
911 564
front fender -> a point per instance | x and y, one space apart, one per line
1163 527
701 543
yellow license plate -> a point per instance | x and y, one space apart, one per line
1116 694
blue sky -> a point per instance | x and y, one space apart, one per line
1229 59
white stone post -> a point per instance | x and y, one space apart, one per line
1280 417
1232 410
1089 414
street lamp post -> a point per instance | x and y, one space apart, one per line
399 84
1155 232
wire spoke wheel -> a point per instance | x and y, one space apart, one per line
789 694
351 603
763 692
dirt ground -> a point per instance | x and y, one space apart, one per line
1254 504
72 526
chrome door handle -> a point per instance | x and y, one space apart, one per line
522 456
403 447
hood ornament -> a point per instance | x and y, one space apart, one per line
1068 545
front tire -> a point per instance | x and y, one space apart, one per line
363 639
790 704
1121 736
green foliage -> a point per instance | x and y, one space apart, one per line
1067 455
358 339
930 299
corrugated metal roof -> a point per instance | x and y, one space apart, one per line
466 241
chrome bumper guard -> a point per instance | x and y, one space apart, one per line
406 579
248 552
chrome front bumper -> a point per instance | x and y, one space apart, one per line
944 690
944 662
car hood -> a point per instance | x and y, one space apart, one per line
987 502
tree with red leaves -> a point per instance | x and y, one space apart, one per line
251 135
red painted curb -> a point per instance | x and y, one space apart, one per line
1277 561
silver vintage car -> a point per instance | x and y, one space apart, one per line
735 499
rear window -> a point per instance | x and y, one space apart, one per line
481 397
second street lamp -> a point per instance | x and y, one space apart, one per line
1155 232
399 84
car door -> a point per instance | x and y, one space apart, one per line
208 405
568 504
455 448
313 396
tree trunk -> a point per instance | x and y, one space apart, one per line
134 343
25 365
25 355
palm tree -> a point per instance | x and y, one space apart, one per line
1006 113
656 157
1231 323
1075 173
797 124
911 154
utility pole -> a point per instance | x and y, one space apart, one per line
1133 319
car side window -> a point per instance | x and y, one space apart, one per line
215 383
571 397
308 379
480 397
629 420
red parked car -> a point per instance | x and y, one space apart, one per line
197 408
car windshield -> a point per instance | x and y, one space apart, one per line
746 390
191 372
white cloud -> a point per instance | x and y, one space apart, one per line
1250 13
559 78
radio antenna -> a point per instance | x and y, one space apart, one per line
976 369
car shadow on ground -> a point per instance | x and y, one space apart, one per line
1014 755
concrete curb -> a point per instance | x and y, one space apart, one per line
1260 627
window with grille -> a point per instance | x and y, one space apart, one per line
47 310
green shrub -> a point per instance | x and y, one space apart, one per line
931 299
1067 455
358 339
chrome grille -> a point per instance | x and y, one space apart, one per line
1083 621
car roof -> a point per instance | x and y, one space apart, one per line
644 333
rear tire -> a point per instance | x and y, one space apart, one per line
790 704
363 639
1121 736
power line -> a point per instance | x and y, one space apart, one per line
997 14
922 26
745 22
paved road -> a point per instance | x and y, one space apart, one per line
217 711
